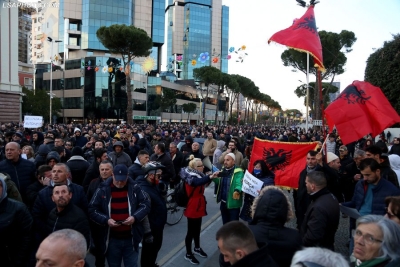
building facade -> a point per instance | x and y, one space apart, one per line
197 35
10 98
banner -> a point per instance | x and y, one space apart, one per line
251 185
286 160
33 121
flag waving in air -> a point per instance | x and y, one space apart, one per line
284 159
359 110
302 36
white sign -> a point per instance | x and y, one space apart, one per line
317 122
33 121
251 185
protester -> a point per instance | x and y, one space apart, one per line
376 242
318 257
261 172
393 209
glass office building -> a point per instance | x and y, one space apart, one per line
196 28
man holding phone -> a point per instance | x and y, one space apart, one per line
119 206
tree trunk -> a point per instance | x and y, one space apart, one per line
129 117
216 111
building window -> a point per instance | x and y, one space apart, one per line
27 81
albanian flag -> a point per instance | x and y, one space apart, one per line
284 159
360 109
302 36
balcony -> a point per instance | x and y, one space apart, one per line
73 47
74 32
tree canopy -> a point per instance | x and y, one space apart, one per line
129 42
383 70
38 103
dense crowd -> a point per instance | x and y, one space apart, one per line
108 184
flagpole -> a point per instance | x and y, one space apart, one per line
307 90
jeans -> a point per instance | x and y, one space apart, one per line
121 249
193 233
229 215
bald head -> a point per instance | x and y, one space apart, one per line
13 151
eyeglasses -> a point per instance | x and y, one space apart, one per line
201 166
368 239
391 215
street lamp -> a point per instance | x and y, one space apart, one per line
51 72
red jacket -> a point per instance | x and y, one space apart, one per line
196 207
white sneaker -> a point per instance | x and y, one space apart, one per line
140 244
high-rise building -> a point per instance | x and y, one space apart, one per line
10 98
197 35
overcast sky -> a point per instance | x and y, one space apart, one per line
253 22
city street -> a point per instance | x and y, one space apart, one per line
173 250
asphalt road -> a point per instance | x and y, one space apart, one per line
173 249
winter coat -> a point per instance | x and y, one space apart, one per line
169 171
258 258
71 217
158 211
388 174
32 192
321 220
91 173
235 185
177 160
36 145
195 185
44 204
209 147
22 173
382 190
395 149
93 186
40 158
217 153
100 213
272 210
394 161
15 232
135 171
78 167
245 213
120 157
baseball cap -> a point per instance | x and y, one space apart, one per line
120 172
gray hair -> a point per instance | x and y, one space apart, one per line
359 153
391 234
77 243
67 169
322 256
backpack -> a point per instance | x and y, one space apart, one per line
181 197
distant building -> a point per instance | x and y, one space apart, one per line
196 27
10 98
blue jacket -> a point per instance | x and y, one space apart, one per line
100 213
22 173
135 171
383 189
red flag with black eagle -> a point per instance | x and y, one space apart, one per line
284 159
359 110
302 36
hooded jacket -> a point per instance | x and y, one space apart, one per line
53 155
120 157
395 165
36 144
272 210
78 167
40 158
217 153
15 230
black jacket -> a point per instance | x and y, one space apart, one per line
15 229
268 226
93 186
32 192
135 171
22 173
44 204
158 210
91 173
388 174
395 149
71 217
168 172
78 167
177 161
321 220
258 258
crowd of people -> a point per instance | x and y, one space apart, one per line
102 188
